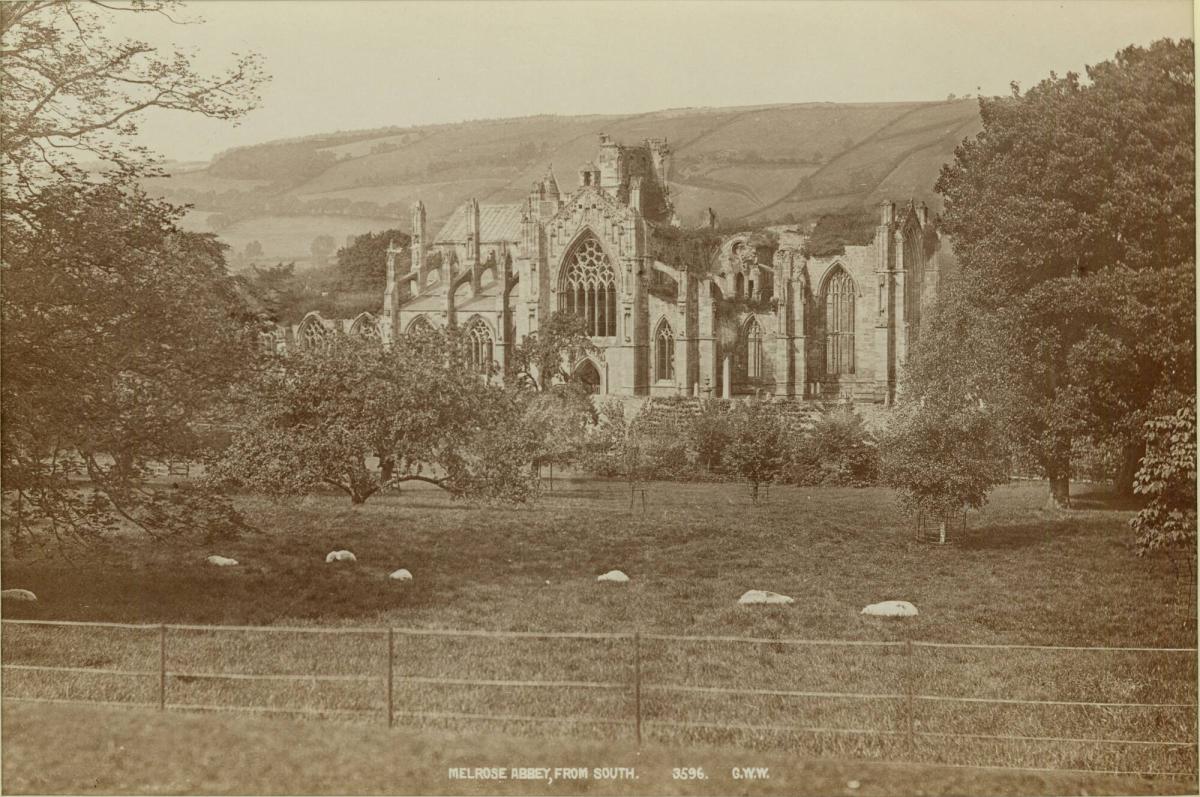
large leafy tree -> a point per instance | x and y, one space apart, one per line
119 330
72 93
118 334
1073 216
362 265
359 417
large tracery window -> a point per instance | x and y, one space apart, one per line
754 350
839 324
664 352
480 338
589 289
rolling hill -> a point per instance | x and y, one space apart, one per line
760 163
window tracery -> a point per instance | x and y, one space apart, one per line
589 289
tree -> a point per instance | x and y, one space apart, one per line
70 92
757 444
561 417
254 249
1075 190
321 248
942 457
322 414
1167 477
542 357
119 334
362 263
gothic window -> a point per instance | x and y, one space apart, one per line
589 376
754 350
312 333
589 289
839 324
366 327
420 326
480 338
664 352
738 285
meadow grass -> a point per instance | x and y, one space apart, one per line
55 749
1018 575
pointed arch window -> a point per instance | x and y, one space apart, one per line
420 326
664 352
312 333
367 327
755 358
589 288
839 324
480 340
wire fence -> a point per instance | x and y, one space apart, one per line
1102 710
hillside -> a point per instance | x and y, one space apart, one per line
779 162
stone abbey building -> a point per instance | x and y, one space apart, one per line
672 311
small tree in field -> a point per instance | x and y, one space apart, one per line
941 458
757 444
1167 476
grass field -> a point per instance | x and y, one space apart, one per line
1017 575
150 753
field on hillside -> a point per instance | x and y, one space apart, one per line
754 163
1017 576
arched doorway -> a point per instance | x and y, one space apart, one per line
588 374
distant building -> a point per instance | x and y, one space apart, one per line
672 311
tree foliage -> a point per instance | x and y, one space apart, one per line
838 451
1167 477
362 265
71 92
942 457
757 446
119 335
1073 216
542 358
120 332
322 415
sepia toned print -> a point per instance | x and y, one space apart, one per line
608 398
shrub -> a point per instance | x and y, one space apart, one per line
708 434
838 452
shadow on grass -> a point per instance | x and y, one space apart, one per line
1021 535
1107 501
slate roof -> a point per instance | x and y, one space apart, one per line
496 223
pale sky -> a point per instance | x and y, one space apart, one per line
372 63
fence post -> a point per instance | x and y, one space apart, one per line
637 686
390 669
909 689
162 667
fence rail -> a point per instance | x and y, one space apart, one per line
165 645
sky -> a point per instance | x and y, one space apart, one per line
356 64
